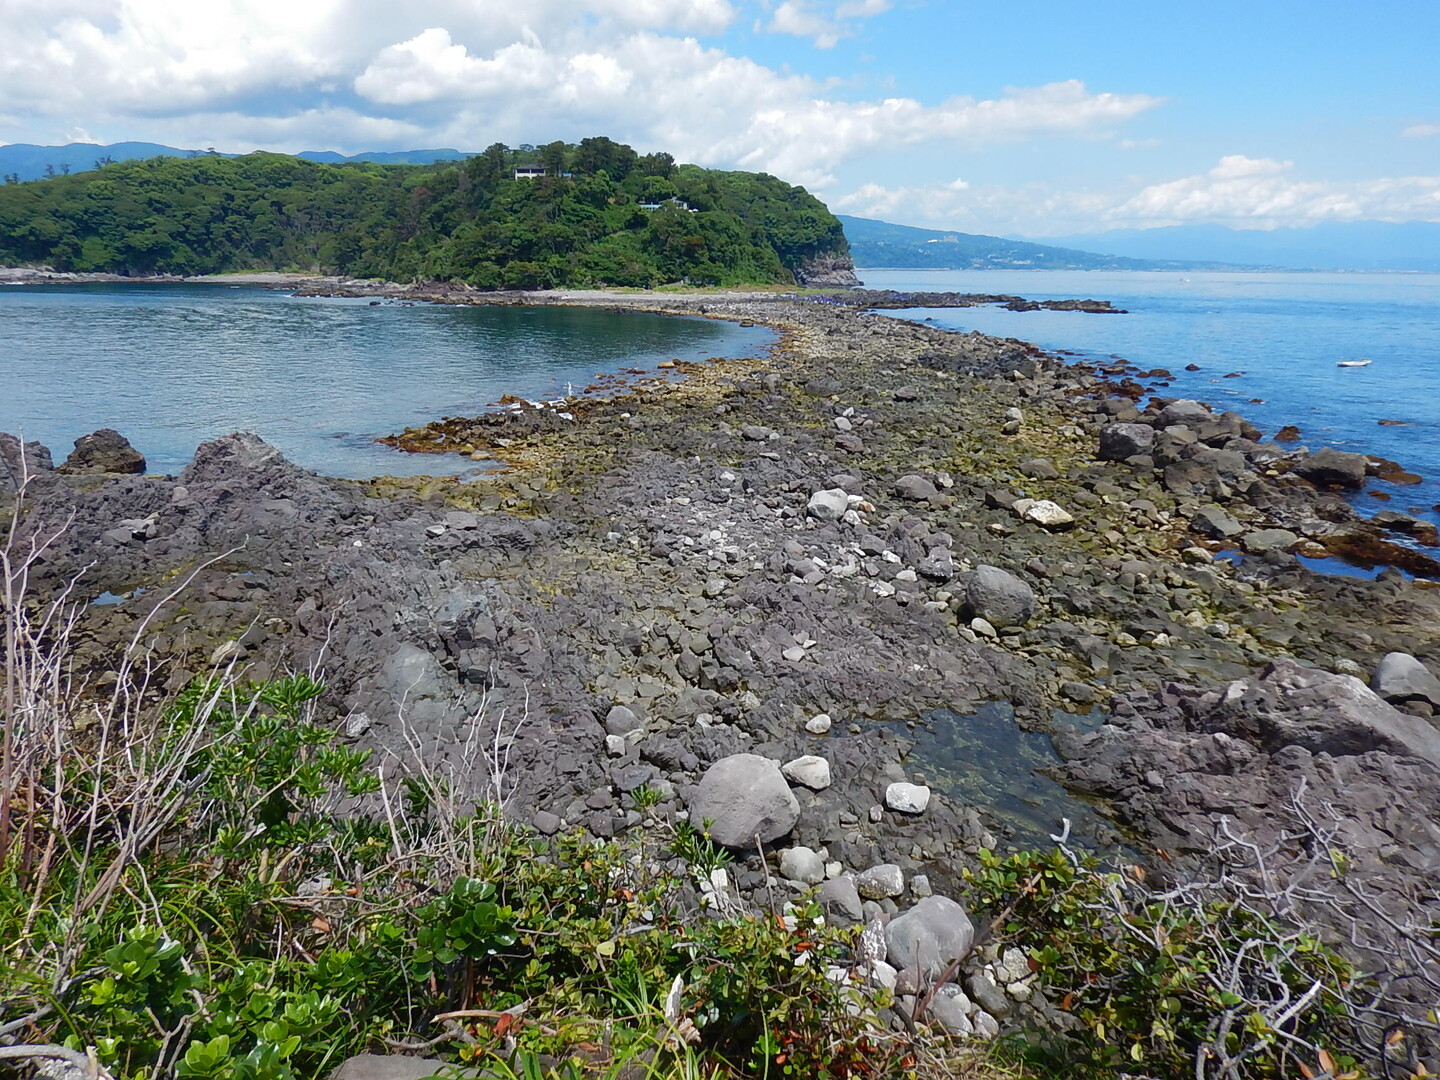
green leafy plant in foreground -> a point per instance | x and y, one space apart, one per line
262 928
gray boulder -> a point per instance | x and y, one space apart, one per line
808 770
1400 677
880 882
1263 540
1333 468
915 488
841 900
907 798
1185 411
828 505
999 597
1121 441
744 796
390 1067
802 864
929 936
18 460
1215 523
104 451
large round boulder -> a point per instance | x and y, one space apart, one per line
929 936
744 796
999 597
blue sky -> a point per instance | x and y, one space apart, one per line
1037 119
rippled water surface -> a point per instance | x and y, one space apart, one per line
1283 334
172 365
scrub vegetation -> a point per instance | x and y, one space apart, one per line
601 215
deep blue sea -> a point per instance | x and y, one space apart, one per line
169 366
1283 334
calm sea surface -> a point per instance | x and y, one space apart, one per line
1283 332
169 366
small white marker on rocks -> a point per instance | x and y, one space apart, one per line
809 771
907 798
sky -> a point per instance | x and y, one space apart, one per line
1037 119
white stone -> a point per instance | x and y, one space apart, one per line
907 798
818 725
1014 965
986 1026
794 654
615 745
1047 514
879 973
808 771
983 627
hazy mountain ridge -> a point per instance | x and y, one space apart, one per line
27 161
1358 245
882 245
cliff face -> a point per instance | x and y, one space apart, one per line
828 271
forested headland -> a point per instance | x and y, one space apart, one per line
602 214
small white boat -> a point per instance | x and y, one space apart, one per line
1353 363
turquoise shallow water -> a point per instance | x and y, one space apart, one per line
1283 332
172 365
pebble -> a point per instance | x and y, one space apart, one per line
818 725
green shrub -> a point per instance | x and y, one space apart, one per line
1189 983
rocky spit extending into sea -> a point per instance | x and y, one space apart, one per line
744 588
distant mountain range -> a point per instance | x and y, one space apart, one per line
1358 245
29 162
881 245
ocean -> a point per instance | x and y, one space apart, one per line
169 366
1266 345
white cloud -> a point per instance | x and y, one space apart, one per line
706 105
1261 193
1421 131
1241 192
824 24
372 74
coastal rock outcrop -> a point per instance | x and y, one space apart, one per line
104 451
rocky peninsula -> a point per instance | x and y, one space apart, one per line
797 559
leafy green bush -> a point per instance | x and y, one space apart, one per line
1185 983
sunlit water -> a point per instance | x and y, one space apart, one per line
169 366
1284 334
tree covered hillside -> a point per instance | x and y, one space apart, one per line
602 214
